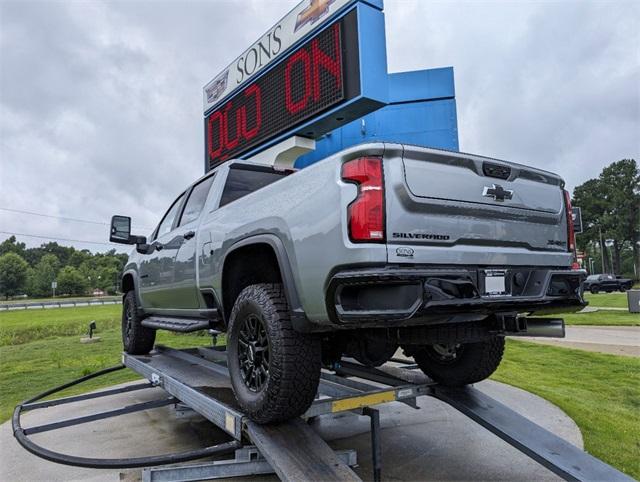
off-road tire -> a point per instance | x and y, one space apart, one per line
136 339
294 358
475 362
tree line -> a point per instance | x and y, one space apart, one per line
610 207
31 271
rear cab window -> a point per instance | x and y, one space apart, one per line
245 179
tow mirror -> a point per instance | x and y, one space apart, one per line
121 230
121 233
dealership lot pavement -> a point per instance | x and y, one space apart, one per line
615 340
434 443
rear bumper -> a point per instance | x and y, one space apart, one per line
394 296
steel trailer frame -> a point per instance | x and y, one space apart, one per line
198 378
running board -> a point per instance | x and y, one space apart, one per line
181 325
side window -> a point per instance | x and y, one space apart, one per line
167 221
196 201
241 182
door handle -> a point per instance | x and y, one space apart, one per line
189 234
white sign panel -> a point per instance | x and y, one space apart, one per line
308 15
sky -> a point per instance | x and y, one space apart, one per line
101 102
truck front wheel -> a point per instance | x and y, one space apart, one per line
274 370
456 365
136 339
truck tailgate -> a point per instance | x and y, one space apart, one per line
476 210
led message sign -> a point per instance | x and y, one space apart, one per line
320 74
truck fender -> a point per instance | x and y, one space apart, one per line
136 284
298 317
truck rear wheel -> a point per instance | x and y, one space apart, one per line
136 339
460 364
274 370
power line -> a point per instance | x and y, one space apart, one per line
52 216
64 218
56 239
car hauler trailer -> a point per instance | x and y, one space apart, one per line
198 378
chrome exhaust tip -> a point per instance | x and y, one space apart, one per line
541 327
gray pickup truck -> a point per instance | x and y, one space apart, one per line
378 247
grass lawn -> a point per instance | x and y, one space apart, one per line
610 318
607 300
21 326
600 392
40 349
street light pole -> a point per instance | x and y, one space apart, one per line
601 250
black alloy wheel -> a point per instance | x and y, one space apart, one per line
460 364
444 354
253 353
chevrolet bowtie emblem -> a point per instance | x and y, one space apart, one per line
316 10
497 192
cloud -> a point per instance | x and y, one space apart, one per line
101 104
551 84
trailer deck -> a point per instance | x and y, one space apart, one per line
198 380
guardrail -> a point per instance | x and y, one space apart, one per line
111 300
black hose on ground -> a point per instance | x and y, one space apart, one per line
96 463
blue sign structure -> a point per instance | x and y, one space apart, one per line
421 110
321 73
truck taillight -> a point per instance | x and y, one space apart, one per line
366 213
570 229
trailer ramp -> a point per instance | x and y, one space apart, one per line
298 453
556 454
